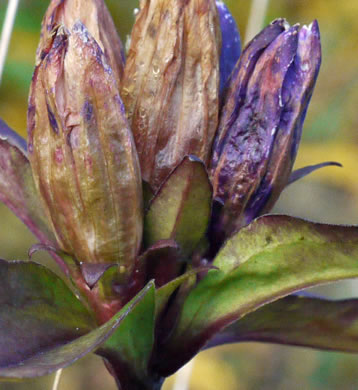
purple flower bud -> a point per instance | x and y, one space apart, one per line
261 122
236 90
231 43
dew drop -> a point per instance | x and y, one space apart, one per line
156 70
142 112
211 27
280 100
58 155
128 43
305 66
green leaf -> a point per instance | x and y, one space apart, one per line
37 312
129 349
43 326
17 188
161 262
148 194
297 320
165 292
181 208
271 258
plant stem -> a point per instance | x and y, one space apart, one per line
126 379
6 32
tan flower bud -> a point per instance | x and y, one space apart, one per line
82 152
170 84
98 21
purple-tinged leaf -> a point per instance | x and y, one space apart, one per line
31 347
231 43
41 247
148 194
272 257
302 172
161 262
9 135
90 272
129 349
37 312
295 320
163 293
17 188
181 208
93 272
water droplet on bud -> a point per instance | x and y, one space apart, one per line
142 112
305 66
156 70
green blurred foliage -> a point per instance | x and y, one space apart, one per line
331 195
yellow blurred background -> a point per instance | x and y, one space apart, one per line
330 195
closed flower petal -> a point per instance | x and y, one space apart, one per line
171 83
98 21
82 152
231 43
261 122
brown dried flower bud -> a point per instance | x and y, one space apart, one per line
170 84
98 21
82 152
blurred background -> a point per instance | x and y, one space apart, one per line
330 195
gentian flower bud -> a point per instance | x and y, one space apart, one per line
82 152
171 83
261 122
98 21
231 43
